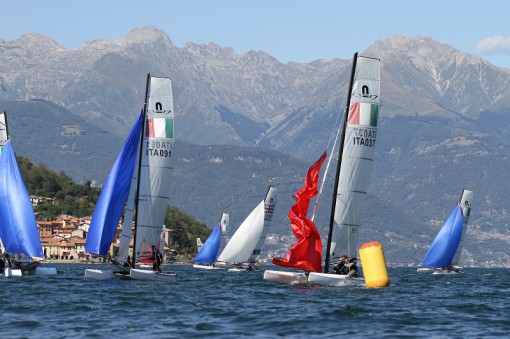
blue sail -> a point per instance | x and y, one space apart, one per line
111 202
209 252
443 248
18 228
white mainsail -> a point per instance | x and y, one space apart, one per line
156 170
246 243
3 130
465 204
357 156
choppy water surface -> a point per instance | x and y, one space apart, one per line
232 304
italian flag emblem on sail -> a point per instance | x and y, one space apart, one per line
160 128
363 113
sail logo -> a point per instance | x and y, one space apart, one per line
365 94
158 109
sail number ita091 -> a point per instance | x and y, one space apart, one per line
159 148
364 137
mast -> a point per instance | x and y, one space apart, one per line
340 153
137 195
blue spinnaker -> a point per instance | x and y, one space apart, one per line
18 228
443 248
111 202
209 251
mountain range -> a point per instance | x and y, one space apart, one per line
245 121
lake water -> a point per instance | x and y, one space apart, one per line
225 304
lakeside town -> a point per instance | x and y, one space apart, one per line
64 238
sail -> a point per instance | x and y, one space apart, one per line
111 202
444 246
246 243
357 156
225 220
465 204
18 228
306 253
209 251
269 204
4 135
156 170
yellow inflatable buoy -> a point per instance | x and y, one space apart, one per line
374 265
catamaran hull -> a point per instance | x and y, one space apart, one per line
289 278
445 272
425 270
337 280
206 267
44 271
151 275
9 273
98 274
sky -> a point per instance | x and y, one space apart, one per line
289 30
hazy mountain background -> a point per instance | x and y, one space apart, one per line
246 121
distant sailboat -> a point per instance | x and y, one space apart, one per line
208 253
445 250
355 161
306 253
244 247
146 176
18 228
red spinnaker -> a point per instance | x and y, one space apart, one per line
306 253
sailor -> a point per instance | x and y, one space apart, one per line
341 267
158 259
353 269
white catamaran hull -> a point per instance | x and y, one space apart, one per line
337 280
206 267
289 278
9 273
446 272
98 274
151 275
44 271
425 270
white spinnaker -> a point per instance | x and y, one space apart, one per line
465 204
242 244
155 174
357 157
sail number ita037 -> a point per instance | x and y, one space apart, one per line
364 137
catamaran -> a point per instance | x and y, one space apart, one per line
19 235
443 256
306 254
140 180
208 253
244 247
355 161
